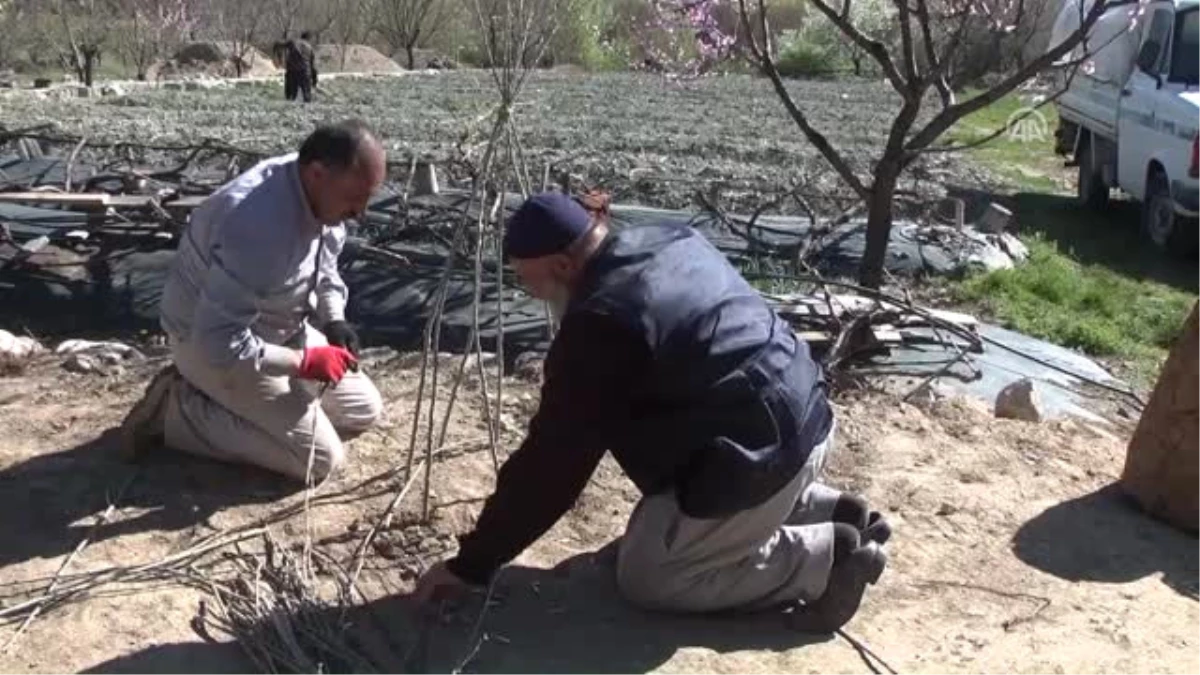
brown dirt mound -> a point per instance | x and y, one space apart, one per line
216 59
358 59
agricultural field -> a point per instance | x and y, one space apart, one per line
643 138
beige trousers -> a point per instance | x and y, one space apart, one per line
778 552
241 415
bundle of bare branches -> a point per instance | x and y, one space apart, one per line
271 603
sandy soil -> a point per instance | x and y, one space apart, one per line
333 58
1012 551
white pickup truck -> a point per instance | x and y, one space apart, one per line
1129 117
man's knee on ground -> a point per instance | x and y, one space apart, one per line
358 412
644 585
327 460
328 456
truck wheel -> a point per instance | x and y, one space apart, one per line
1093 192
1162 226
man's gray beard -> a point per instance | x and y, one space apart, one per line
558 304
558 307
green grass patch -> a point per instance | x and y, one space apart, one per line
1024 154
1092 281
1086 307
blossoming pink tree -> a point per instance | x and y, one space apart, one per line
929 34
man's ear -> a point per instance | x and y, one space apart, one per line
563 266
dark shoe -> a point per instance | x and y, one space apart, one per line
848 582
877 530
142 429
852 510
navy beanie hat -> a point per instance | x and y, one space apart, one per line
545 224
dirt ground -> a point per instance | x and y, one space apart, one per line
1013 552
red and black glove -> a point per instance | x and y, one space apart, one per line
326 363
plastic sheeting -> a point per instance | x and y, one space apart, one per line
1063 386
391 305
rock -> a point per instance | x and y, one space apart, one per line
926 395
1019 401
1161 470
81 364
425 180
995 220
112 90
14 348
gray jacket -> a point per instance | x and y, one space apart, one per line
253 266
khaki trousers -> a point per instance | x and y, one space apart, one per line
241 415
776 553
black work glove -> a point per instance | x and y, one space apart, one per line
340 334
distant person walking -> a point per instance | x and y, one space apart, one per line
300 68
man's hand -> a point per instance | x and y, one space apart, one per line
326 363
438 583
341 334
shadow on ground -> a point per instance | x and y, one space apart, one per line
49 501
569 619
1110 238
1103 537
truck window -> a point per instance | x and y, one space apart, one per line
1157 35
1185 54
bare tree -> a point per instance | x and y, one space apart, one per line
407 24
930 33
349 22
87 26
12 15
155 27
240 22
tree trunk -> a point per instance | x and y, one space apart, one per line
412 58
879 224
89 68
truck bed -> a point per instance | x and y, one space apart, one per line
1093 104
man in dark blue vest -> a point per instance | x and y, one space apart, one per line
715 410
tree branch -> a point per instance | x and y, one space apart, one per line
816 138
1024 115
948 116
873 47
906 43
934 70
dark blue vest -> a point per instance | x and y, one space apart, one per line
733 403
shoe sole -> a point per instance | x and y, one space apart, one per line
150 405
865 567
878 529
874 562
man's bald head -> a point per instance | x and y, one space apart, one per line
340 166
